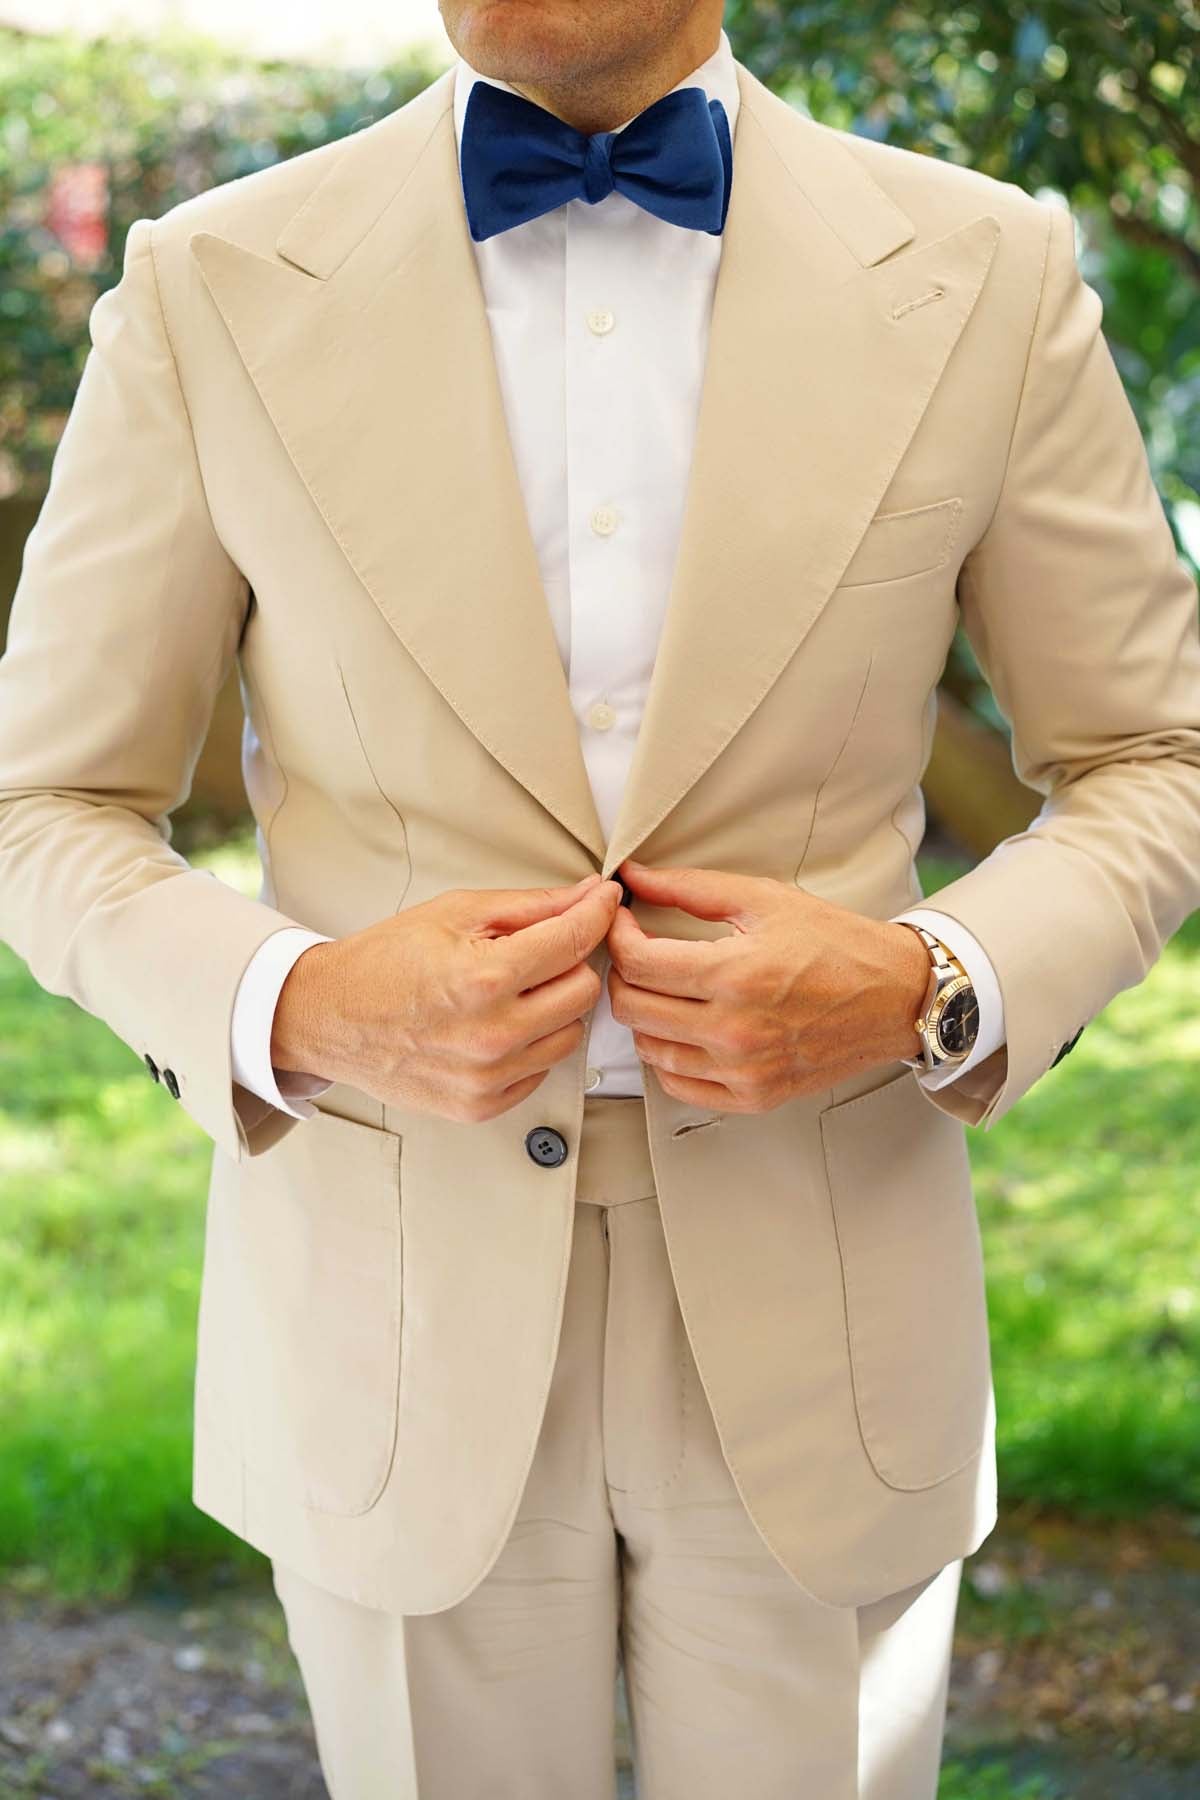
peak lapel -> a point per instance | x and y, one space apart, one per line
817 376
369 345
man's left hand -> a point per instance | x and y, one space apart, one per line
802 994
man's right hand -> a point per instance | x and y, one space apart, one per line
458 1006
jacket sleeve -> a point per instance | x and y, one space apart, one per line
126 620
1084 622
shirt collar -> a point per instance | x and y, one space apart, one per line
717 76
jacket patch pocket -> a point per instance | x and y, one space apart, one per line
912 1265
317 1243
897 544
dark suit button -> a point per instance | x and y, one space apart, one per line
546 1146
170 1083
151 1065
1069 1045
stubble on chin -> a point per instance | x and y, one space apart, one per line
536 41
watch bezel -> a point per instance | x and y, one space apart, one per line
934 1019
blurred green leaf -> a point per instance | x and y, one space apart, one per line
165 118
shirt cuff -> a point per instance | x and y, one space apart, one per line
975 960
254 1017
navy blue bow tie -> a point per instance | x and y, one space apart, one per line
518 161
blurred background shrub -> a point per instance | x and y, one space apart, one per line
1079 100
97 134
1086 1191
1091 102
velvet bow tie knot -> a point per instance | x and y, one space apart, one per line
518 161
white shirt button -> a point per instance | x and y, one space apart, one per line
601 716
604 521
592 1080
600 320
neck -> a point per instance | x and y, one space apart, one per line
602 100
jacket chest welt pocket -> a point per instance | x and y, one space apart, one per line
899 544
912 1265
319 1256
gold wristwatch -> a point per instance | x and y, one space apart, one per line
948 1024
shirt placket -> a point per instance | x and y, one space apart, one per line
602 489
602 530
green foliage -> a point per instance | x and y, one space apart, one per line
101 1208
1088 1207
167 117
1062 93
1086 1198
992 1782
1098 100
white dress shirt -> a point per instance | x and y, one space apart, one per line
599 319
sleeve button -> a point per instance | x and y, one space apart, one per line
170 1083
1063 1049
151 1065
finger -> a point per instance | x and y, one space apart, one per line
693 1092
707 893
495 910
666 965
520 1090
511 1097
550 946
552 1003
664 1015
674 1057
540 1055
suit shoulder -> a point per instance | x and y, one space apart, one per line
253 209
928 192
939 195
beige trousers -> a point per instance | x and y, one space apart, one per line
631 1547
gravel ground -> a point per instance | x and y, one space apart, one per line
1077 1657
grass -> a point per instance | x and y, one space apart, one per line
102 1182
1086 1193
993 1782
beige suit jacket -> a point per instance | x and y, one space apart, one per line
288 446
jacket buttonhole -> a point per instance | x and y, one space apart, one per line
695 1125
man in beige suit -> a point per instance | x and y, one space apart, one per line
589 1285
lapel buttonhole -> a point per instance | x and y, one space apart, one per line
907 306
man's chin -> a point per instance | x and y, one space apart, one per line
523 41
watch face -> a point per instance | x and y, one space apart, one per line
958 1026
